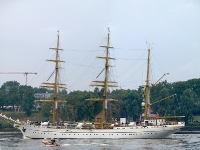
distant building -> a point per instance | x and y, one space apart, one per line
40 96
43 95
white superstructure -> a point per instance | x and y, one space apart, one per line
146 132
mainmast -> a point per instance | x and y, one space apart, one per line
105 83
55 85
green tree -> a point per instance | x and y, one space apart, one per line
3 101
67 113
46 110
13 96
188 100
28 101
9 93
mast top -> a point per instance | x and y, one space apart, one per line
108 30
58 31
149 44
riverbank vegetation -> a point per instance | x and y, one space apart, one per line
184 101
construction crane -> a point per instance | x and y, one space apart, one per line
25 73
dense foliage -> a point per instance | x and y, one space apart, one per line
186 102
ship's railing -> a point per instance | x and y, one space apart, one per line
38 125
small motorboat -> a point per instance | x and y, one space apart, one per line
48 143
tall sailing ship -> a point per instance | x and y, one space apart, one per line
150 127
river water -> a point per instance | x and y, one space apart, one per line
16 142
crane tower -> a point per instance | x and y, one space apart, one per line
25 73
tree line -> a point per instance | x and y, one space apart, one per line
185 102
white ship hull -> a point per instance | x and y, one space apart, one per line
150 132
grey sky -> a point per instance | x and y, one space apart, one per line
29 28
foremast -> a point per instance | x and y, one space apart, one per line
105 83
54 85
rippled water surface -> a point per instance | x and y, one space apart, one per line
16 142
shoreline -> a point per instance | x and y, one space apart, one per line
8 132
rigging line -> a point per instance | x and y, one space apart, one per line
63 72
81 50
53 71
158 63
123 72
100 73
88 88
91 75
85 114
128 81
130 59
86 69
41 60
130 49
113 63
73 72
113 76
38 74
94 51
88 78
79 78
46 53
84 60
84 74
62 68
131 85
136 71
81 65
151 72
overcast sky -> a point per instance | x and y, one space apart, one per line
29 28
